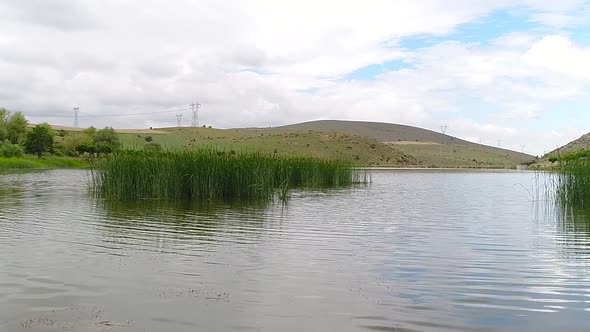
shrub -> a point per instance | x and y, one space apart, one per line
148 139
9 150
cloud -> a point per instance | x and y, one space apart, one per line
262 63
558 54
65 15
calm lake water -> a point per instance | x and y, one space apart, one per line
412 251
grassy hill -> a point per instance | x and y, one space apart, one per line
365 143
428 147
582 143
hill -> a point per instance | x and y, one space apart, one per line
582 143
365 143
382 132
428 147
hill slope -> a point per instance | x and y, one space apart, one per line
582 143
430 148
382 132
365 143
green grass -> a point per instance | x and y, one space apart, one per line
357 150
345 145
209 174
23 163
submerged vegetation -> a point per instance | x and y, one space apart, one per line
208 174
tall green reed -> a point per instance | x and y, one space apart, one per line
208 174
572 182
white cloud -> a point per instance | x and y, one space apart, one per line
559 54
116 57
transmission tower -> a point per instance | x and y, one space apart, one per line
195 109
443 130
179 118
499 143
76 111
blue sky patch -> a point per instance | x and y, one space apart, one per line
482 30
372 71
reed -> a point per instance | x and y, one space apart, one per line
572 182
208 174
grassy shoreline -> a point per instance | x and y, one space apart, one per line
33 163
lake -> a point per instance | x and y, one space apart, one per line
415 250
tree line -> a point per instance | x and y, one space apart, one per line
17 138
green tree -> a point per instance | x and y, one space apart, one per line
16 127
4 115
107 137
39 139
90 131
103 148
73 141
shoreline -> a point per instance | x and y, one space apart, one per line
34 163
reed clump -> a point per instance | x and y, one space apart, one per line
573 180
208 174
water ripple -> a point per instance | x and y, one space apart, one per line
414 251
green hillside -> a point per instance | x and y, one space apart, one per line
365 143
582 143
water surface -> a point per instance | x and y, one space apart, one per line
412 251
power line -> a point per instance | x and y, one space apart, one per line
109 115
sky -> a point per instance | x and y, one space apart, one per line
510 73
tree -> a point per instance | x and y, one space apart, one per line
16 127
4 115
107 136
103 148
39 139
73 141
90 131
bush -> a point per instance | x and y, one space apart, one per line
148 139
8 150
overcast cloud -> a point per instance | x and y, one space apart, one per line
267 63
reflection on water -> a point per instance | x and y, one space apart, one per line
574 222
177 225
413 251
